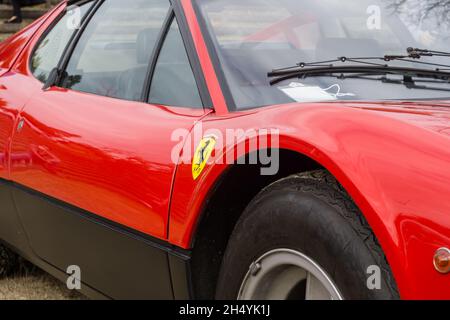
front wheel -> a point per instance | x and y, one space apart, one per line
303 238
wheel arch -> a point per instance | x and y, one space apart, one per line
218 216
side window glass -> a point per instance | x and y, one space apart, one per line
112 56
50 48
173 82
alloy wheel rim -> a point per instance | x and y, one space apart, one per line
285 274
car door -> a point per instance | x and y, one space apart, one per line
15 91
11 101
96 193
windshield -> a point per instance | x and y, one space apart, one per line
253 37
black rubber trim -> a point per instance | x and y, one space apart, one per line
176 12
70 3
77 2
76 37
155 54
50 28
192 54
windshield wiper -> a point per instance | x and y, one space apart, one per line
407 73
414 54
417 53
366 64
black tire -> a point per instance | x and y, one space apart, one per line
310 213
9 262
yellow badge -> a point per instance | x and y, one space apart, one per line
202 155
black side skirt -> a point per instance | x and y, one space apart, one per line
116 262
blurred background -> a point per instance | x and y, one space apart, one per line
30 12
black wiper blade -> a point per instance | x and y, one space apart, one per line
365 61
368 64
413 55
408 73
417 53
330 63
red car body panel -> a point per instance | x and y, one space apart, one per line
124 159
401 188
217 97
94 153
15 86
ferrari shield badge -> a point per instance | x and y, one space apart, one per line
202 155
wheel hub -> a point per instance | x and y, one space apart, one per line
285 274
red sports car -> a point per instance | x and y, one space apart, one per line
230 149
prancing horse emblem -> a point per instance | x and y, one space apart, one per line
202 155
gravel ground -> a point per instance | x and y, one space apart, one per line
35 285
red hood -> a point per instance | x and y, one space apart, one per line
430 115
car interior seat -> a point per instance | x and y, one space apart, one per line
131 81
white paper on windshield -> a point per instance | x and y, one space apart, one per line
301 93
